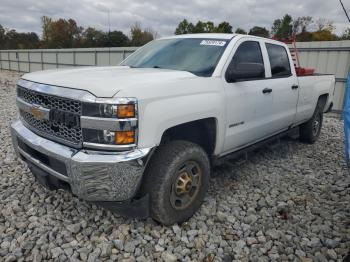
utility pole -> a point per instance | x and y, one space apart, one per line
109 38
109 29
346 13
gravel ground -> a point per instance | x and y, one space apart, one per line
286 202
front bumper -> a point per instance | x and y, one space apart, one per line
92 175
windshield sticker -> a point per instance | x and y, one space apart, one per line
213 42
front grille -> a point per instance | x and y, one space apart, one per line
53 130
49 101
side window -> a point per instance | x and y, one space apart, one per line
279 60
247 63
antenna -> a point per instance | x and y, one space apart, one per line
109 37
109 21
252 10
346 13
109 28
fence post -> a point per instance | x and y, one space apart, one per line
18 67
8 59
95 57
74 58
28 61
42 60
346 117
1 60
56 59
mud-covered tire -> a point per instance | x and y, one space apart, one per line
310 131
163 173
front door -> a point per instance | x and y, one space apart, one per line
248 100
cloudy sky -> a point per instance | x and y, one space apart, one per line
163 16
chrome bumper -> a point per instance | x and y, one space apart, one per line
92 175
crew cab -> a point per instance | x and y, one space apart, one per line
140 138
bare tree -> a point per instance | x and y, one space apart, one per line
302 24
140 37
324 24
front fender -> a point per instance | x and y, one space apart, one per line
156 116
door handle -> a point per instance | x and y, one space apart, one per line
267 90
295 86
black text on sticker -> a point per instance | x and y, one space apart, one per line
213 42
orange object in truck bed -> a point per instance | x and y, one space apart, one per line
303 71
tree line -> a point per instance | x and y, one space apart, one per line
66 33
302 28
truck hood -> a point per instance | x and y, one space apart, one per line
107 81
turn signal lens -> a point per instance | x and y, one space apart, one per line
124 137
126 111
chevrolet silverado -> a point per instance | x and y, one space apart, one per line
141 137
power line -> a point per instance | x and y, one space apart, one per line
346 13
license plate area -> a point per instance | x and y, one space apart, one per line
51 162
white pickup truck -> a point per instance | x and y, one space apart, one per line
140 138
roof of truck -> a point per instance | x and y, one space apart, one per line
203 35
217 36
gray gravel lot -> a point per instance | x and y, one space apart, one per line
287 202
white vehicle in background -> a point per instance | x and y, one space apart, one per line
140 138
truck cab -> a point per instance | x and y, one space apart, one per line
140 138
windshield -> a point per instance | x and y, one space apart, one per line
196 55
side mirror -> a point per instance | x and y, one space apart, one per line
244 71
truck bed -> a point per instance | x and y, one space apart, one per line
310 89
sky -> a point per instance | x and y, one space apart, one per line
163 16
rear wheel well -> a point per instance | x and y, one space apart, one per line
322 100
201 132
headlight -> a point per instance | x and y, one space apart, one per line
120 111
109 137
112 125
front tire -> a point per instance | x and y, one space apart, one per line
310 131
176 179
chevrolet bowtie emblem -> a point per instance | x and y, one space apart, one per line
37 112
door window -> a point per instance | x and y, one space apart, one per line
248 62
279 61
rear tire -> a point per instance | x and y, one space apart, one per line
310 131
176 180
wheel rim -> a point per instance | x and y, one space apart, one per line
186 186
316 125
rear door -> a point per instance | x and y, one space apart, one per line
284 85
248 106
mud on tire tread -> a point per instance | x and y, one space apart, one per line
161 172
305 132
